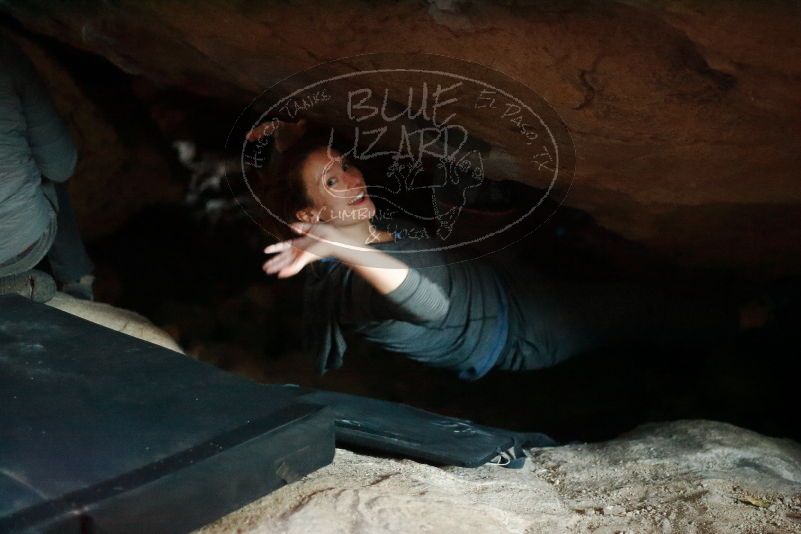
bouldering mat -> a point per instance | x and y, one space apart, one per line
403 430
101 431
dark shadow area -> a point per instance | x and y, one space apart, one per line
205 286
196 272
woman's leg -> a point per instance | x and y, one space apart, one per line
68 258
562 319
17 275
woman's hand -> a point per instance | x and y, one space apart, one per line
385 273
316 241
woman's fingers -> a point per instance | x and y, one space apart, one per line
280 264
300 261
292 270
277 263
285 245
292 256
288 253
308 252
284 252
278 247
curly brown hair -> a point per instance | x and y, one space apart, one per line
279 185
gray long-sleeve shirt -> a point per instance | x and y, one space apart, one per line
33 143
450 314
445 313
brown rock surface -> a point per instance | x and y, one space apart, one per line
114 178
686 115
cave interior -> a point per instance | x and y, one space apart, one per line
169 243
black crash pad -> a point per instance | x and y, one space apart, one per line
104 432
403 430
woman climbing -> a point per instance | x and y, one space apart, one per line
411 297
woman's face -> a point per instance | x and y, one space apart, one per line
336 189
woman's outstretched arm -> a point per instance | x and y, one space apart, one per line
321 240
409 296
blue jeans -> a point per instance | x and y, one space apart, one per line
554 320
68 258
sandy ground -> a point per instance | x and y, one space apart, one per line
680 477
